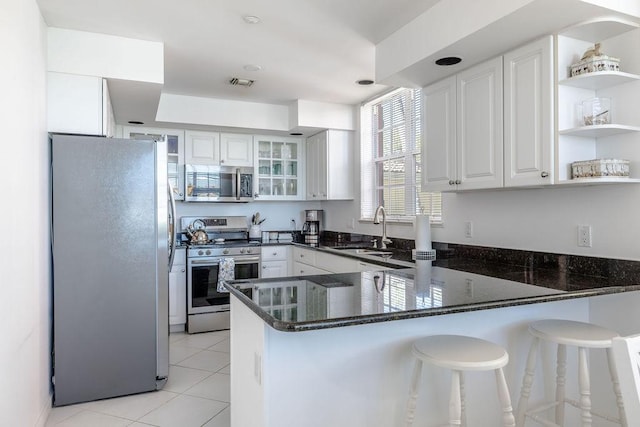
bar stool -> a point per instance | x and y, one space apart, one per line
460 353
583 336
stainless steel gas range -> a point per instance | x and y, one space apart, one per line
226 237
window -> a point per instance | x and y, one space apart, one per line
390 158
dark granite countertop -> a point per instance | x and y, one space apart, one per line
463 278
338 300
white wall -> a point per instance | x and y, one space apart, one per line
24 252
544 219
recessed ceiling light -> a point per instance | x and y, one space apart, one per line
135 122
448 60
251 19
365 82
252 67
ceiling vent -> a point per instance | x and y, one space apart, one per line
241 82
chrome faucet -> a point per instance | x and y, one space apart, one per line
376 220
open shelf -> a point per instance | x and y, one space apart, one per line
599 29
600 80
599 131
599 181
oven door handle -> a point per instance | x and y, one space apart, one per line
247 260
243 260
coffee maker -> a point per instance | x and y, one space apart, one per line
311 227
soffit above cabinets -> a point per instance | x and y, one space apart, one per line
407 58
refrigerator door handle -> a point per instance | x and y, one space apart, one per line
172 247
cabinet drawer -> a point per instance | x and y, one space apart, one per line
305 256
301 269
274 253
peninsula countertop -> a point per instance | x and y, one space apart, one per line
337 300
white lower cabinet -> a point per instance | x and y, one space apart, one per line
310 261
178 291
275 261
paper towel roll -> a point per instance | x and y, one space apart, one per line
423 233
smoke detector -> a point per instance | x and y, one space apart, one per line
241 82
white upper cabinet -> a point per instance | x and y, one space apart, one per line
439 144
279 168
213 148
463 125
479 126
236 149
202 148
175 152
330 166
79 104
528 115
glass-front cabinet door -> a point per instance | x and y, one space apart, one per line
175 152
279 168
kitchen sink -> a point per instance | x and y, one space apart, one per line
366 251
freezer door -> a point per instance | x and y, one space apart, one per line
110 275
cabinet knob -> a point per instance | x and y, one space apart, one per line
458 182
313 195
275 253
221 160
301 255
183 270
544 174
256 195
451 182
264 267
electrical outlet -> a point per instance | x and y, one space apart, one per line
468 229
584 236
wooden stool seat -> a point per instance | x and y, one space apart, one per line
460 353
565 333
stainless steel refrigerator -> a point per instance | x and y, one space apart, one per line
111 246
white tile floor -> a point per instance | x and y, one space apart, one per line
197 393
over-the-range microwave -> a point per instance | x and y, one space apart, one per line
204 183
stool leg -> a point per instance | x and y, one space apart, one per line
616 388
561 380
463 402
527 381
455 410
585 387
508 419
413 392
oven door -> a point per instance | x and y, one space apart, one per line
202 282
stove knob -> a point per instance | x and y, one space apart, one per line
208 252
248 250
226 251
242 251
200 252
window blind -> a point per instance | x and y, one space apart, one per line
390 158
